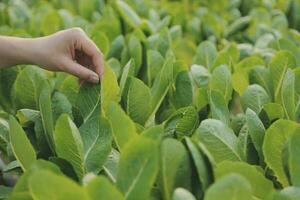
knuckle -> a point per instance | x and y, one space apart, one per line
76 31
60 64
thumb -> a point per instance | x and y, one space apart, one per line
80 71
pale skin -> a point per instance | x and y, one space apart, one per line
70 50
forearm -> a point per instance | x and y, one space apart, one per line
14 51
69 50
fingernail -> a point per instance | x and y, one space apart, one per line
94 78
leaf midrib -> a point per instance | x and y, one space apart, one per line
281 78
227 145
93 144
94 108
134 182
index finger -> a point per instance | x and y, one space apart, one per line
90 48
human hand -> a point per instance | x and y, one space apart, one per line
71 51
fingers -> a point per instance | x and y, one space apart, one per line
80 71
90 48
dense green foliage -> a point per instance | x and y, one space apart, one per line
200 99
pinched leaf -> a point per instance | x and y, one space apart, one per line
138 168
69 144
96 136
278 66
21 146
288 95
138 105
275 139
254 98
88 100
95 131
123 127
101 188
221 81
232 186
56 187
262 187
219 140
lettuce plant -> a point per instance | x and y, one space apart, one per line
199 100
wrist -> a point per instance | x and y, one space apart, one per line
15 51
30 50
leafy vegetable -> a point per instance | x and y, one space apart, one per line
230 187
136 173
219 140
21 145
56 187
100 187
198 100
69 144
123 128
277 135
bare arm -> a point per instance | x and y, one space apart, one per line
69 50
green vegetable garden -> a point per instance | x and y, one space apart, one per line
200 100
